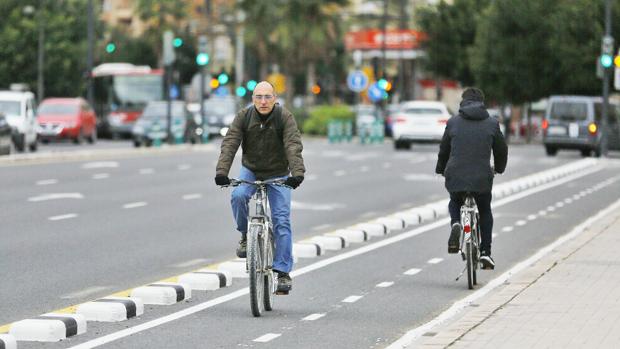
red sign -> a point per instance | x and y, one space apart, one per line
372 39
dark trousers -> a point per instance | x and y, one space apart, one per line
483 200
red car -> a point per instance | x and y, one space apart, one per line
70 118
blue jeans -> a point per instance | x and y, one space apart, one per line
280 202
483 201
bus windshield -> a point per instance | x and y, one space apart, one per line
136 90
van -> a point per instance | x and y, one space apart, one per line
19 109
574 122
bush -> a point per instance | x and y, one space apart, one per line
301 115
316 124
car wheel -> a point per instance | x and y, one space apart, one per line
79 138
598 151
93 137
585 152
33 146
20 143
136 143
551 151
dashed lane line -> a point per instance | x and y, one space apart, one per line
63 217
352 299
135 204
313 317
435 260
268 337
507 229
412 271
146 171
192 196
385 284
47 181
101 176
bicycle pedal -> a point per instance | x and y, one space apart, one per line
282 293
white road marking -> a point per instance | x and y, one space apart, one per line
542 213
551 208
340 173
508 229
559 204
412 271
192 196
101 175
47 181
55 196
494 235
531 217
313 317
147 171
568 201
135 204
190 263
352 299
434 260
421 177
63 216
184 167
100 164
86 292
521 223
315 207
335 259
458 306
387 164
311 177
364 169
576 197
385 284
267 337
322 227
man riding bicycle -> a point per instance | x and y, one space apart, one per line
464 160
271 144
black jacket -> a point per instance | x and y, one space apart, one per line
465 150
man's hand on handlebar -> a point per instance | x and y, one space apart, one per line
222 180
294 181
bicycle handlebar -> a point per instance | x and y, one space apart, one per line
234 182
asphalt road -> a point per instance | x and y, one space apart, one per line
125 222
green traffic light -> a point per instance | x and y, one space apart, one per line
606 61
241 91
251 85
223 79
110 47
202 59
177 42
382 84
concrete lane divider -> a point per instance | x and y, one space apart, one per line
162 293
111 309
426 213
225 277
7 341
350 235
307 249
331 243
391 222
373 229
51 327
410 218
236 267
206 280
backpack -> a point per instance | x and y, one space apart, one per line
277 120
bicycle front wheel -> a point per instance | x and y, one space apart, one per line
471 273
255 269
269 277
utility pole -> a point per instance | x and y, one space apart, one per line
607 37
401 64
41 53
89 54
384 41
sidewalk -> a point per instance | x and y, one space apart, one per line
570 298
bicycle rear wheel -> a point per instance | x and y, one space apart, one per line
255 269
269 278
471 274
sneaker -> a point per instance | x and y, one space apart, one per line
455 236
242 248
285 283
487 262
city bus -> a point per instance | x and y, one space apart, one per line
121 91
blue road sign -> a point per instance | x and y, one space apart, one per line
375 93
357 81
174 92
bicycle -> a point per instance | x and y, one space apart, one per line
470 239
259 261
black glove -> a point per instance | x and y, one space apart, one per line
294 181
222 180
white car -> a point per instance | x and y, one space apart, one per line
19 109
419 121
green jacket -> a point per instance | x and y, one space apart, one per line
264 152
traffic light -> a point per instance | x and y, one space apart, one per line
241 91
214 83
316 89
383 84
606 60
222 78
251 85
617 61
110 47
177 42
202 59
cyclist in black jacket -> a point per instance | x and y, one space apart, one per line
464 160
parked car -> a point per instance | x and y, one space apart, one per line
219 112
152 125
494 112
419 121
67 118
5 136
19 110
391 111
574 122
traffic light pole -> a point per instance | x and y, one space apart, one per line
606 71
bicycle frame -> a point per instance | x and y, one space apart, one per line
470 239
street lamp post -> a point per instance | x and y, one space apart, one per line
38 16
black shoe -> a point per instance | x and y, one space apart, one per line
242 248
285 283
455 236
487 262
